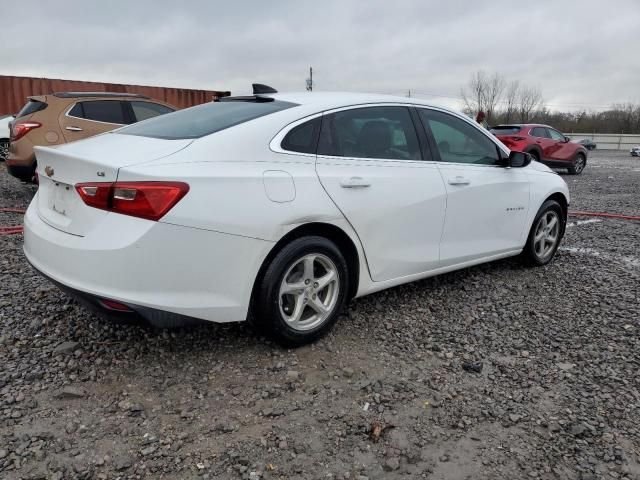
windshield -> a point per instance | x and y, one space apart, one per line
204 119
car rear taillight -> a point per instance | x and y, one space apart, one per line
150 200
20 129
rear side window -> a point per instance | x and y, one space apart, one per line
205 119
107 111
370 132
32 106
303 138
505 130
146 110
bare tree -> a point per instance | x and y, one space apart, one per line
529 100
474 95
493 91
511 100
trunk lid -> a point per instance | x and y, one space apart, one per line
96 159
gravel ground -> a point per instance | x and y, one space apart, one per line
493 372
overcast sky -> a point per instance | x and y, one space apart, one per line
581 53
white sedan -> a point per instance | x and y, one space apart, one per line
280 208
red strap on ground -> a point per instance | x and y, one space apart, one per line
605 215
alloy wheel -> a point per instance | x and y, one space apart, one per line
579 164
309 292
547 234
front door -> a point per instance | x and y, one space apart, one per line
562 150
370 163
487 204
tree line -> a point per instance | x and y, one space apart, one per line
505 101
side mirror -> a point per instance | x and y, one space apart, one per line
518 160
567 139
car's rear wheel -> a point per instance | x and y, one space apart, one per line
545 234
302 291
535 155
578 164
4 149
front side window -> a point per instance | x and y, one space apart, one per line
146 110
459 142
539 132
370 132
107 111
555 135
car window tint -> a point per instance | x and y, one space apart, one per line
370 132
303 138
539 132
555 135
76 111
146 110
108 111
196 122
458 141
32 106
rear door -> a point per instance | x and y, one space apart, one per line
543 140
87 118
370 163
487 204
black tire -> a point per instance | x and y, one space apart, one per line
578 164
268 307
529 254
4 149
535 155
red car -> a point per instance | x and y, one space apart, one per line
546 144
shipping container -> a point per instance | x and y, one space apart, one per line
15 90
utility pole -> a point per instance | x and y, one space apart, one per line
409 94
310 80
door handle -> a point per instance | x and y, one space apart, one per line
355 182
73 129
459 180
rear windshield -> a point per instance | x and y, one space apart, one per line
505 130
32 106
204 119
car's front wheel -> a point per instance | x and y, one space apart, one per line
545 234
302 291
578 165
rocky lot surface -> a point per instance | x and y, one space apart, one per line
494 372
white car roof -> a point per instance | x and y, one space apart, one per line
328 100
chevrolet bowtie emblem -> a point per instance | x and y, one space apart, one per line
49 171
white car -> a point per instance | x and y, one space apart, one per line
4 135
635 151
279 208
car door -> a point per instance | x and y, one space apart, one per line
487 204
91 117
562 150
543 140
370 162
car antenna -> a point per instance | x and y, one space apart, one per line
259 88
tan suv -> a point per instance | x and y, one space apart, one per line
68 116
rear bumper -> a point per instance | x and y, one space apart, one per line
137 313
162 272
